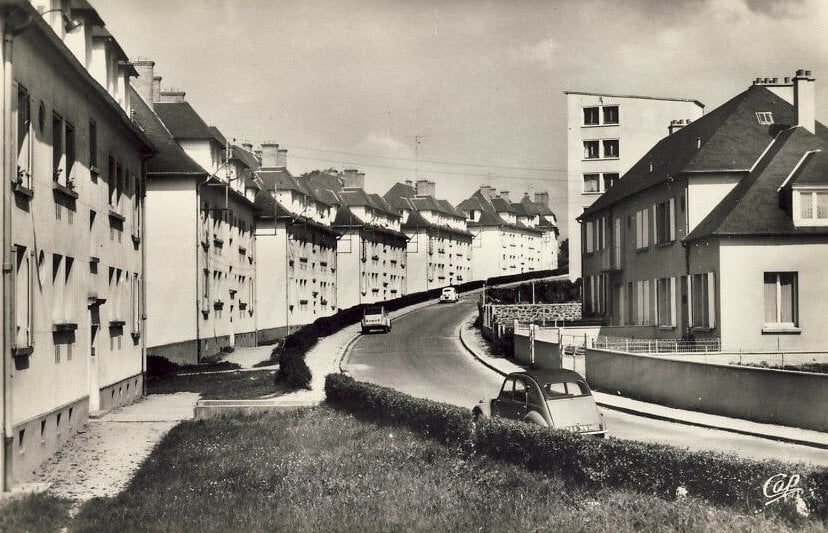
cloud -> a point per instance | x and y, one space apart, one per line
543 52
775 8
386 145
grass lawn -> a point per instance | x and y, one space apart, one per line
321 470
819 368
223 385
33 512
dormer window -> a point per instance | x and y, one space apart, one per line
764 117
810 207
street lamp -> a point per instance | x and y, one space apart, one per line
70 25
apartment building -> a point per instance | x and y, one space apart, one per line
371 258
720 231
74 336
606 135
439 245
200 230
296 249
537 214
501 245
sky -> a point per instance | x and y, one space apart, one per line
464 93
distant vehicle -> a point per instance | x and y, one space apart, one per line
375 317
558 399
449 294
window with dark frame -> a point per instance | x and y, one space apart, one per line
591 116
610 179
24 138
57 147
69 139
610 114
611 148
93 149
591 149
592 183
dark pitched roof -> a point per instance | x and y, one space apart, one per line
170 157
266 206
728 138
535 208
502 206
416 221
398 195
753 207
345 218
812 171
183 121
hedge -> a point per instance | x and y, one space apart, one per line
290 351
644 467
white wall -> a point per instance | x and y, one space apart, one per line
271 272
705 192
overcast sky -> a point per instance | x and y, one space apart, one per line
354 83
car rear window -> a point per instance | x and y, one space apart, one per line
373 310
565 389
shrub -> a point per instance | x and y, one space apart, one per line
293 369
160 367
643 467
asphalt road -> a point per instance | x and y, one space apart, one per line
422 356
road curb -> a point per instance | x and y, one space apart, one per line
646 414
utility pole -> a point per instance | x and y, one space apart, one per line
417 141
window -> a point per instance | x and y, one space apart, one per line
57 147
591 149
781 293
764 117
93 149
665 230
642 229
110 177
592 183
611 148
702 300
63 289
24 292
69 136
136 306
24 138
205 290
610 179
812 208
589 237
643 301
611 114
666 300
590 116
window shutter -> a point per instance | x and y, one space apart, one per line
654 212
689 284
673 302
672 219
711 299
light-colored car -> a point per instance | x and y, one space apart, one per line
558 399
375 317
449 294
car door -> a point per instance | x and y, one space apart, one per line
511 402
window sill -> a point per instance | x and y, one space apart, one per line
780 330
64 326
667 328
599 125
64 191
23 191
116 215
592 193
701 329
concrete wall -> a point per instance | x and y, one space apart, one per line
547 354
762 395
486 253
271 276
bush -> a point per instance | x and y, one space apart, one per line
647 468
293 369
160 367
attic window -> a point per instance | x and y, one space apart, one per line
764 117
811 207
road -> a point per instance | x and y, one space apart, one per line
422 356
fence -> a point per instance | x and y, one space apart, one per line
658 346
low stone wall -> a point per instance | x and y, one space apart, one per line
781 397
535 313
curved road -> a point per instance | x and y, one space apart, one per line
422 356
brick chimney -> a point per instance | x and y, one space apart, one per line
175 97
426 188
270 155
156 89
353 179
247 146
542 198
505 195
804 100
144 82
281 158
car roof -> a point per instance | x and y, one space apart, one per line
550 376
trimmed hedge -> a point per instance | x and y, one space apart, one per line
648 468
290 351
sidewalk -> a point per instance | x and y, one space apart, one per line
473 341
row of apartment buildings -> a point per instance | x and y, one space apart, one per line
131 227
720 230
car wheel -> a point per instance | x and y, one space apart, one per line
364 331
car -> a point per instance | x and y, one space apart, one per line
375 317
558 399
449 294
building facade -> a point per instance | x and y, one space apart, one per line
439 245
606 134
74 333
716 232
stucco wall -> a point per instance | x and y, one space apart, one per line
271 272
417 261
762 395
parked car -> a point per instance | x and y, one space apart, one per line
449 294
558 399
375 317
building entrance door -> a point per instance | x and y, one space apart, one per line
94 385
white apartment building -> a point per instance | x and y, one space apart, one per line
606 135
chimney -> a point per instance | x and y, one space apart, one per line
505 195
144 82
175 97
270 155
258 154
676 125
156 89
804 100
281 157
247 146
353 179
409 183
426 188
542 198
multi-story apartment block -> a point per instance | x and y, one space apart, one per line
200 230
72 236
296 249
536 214
371 258
606 134
721 230
501 244
439 245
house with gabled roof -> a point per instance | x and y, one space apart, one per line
371 259
296 249
720 231
439 245
501 244
200 193
536 214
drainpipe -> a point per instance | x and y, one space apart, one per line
5 199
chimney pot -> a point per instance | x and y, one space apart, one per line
505 195
808 73
351 179
426 188
800 72
775 80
